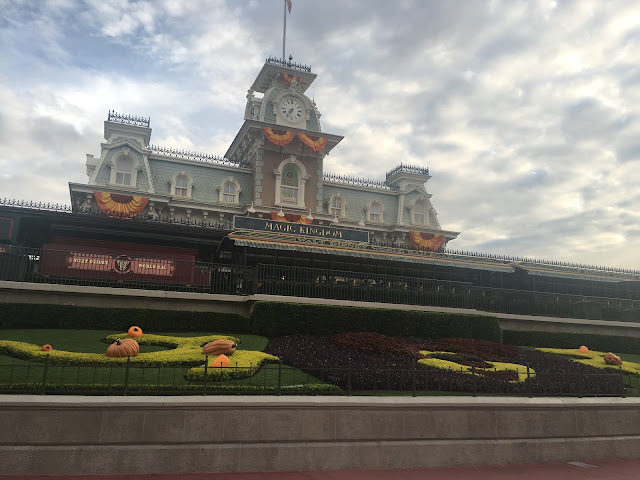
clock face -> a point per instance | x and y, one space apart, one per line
291 109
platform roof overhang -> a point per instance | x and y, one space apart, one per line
268 241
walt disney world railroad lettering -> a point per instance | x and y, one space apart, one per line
288 228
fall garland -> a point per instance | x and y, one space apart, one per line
426 241
116 205
289 217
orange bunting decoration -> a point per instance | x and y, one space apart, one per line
316 143
426 241
289 78
116 205
278 137
288 217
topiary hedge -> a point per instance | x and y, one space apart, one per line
572 340
272 319
22 315
267 318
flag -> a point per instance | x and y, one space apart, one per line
289 5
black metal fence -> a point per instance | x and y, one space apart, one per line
278 379
72 268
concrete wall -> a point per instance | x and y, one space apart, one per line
65 435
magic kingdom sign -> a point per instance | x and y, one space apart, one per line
300 229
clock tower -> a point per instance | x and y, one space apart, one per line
282 140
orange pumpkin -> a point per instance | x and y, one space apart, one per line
611 359
221 361
219 347
583 349
46 348
123 348
134 332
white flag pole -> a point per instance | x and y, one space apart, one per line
284 29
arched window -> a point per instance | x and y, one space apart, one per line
124 168
289 185
418 213
336 206
229 193
291 176
374 212
181 186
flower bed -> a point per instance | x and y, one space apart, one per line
371 361
184 351
593 359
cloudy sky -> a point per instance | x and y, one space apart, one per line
526 113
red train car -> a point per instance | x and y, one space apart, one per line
73 257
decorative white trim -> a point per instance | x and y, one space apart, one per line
181 173
303 177
368 211
343 203
220 189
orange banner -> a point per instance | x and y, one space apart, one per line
316 143
116 205
278 137
288 217
289 78
426 241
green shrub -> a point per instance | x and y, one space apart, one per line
273 319
26 315
604 343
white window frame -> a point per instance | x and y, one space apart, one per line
427 211
343 207
234 182
174 181
124 155
380 208
302 180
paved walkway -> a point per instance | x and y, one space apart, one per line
596 470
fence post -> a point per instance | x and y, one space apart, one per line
206 372
44 373
473 374
622 380
279 391
529 390
413 380
126 375
349 377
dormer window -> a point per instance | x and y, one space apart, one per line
337 206
229 191
375 212
181 185
418 213
124 168
420 209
